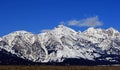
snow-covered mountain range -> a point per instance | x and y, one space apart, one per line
62 43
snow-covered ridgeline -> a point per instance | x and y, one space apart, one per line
62 42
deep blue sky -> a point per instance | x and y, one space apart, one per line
35 15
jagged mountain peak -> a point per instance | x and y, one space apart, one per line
60 29
61 26
112 30
103 32
64 28
92 31
20 32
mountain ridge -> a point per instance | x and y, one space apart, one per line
62 43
